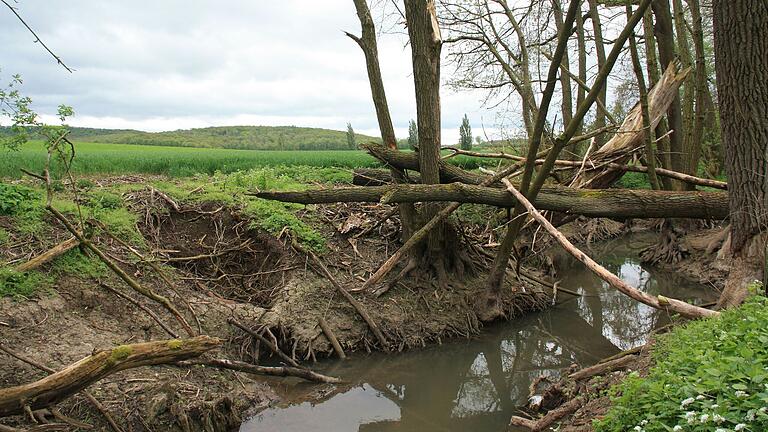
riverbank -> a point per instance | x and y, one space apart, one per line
225 262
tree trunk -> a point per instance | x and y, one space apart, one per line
741 44
600 51
426 45
367 42
666 46
612 203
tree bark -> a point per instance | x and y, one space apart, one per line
741 44
741 47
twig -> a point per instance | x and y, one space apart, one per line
331 337
262 370
37 38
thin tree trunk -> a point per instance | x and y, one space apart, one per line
690 146
666 47
600 53
650 154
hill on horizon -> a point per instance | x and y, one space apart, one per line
229 137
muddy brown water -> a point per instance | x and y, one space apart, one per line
477 385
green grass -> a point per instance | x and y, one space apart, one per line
709 375
98 158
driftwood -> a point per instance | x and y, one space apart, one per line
77 376
549 418
658 302
331 336
604 367
613 203
281 371
49 255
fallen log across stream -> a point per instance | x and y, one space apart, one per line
610 203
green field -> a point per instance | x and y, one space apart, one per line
100 158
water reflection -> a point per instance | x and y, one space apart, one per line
477 385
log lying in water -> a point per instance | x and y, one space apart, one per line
77 376
611 203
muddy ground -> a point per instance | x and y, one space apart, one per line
220 268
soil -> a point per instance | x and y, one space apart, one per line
221 268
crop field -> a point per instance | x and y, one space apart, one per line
100 158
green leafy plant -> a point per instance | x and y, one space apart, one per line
21 285
709 375
14 198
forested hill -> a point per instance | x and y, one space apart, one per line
232 137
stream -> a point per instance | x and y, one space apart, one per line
478 384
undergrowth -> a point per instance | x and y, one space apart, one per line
21 284
709 375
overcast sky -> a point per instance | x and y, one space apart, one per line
173 64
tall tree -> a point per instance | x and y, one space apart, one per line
351 144
741 64
426 45
465 134
413 135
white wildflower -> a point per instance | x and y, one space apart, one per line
686 402
717 418
639 429
762 410
700 397
715 406
750 417
741 394
644 422
677 428
704 418
721 430
739 427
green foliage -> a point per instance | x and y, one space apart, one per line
14 108
274 217
13 198
4 237
105 200
634 180
710 375
465 134
76 263
21 285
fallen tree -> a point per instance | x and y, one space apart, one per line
77 376
611 203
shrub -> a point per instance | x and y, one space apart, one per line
13 198
709 375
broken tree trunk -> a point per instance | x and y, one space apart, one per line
612 203
74 378
49 255
281 371
630 135
658 302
